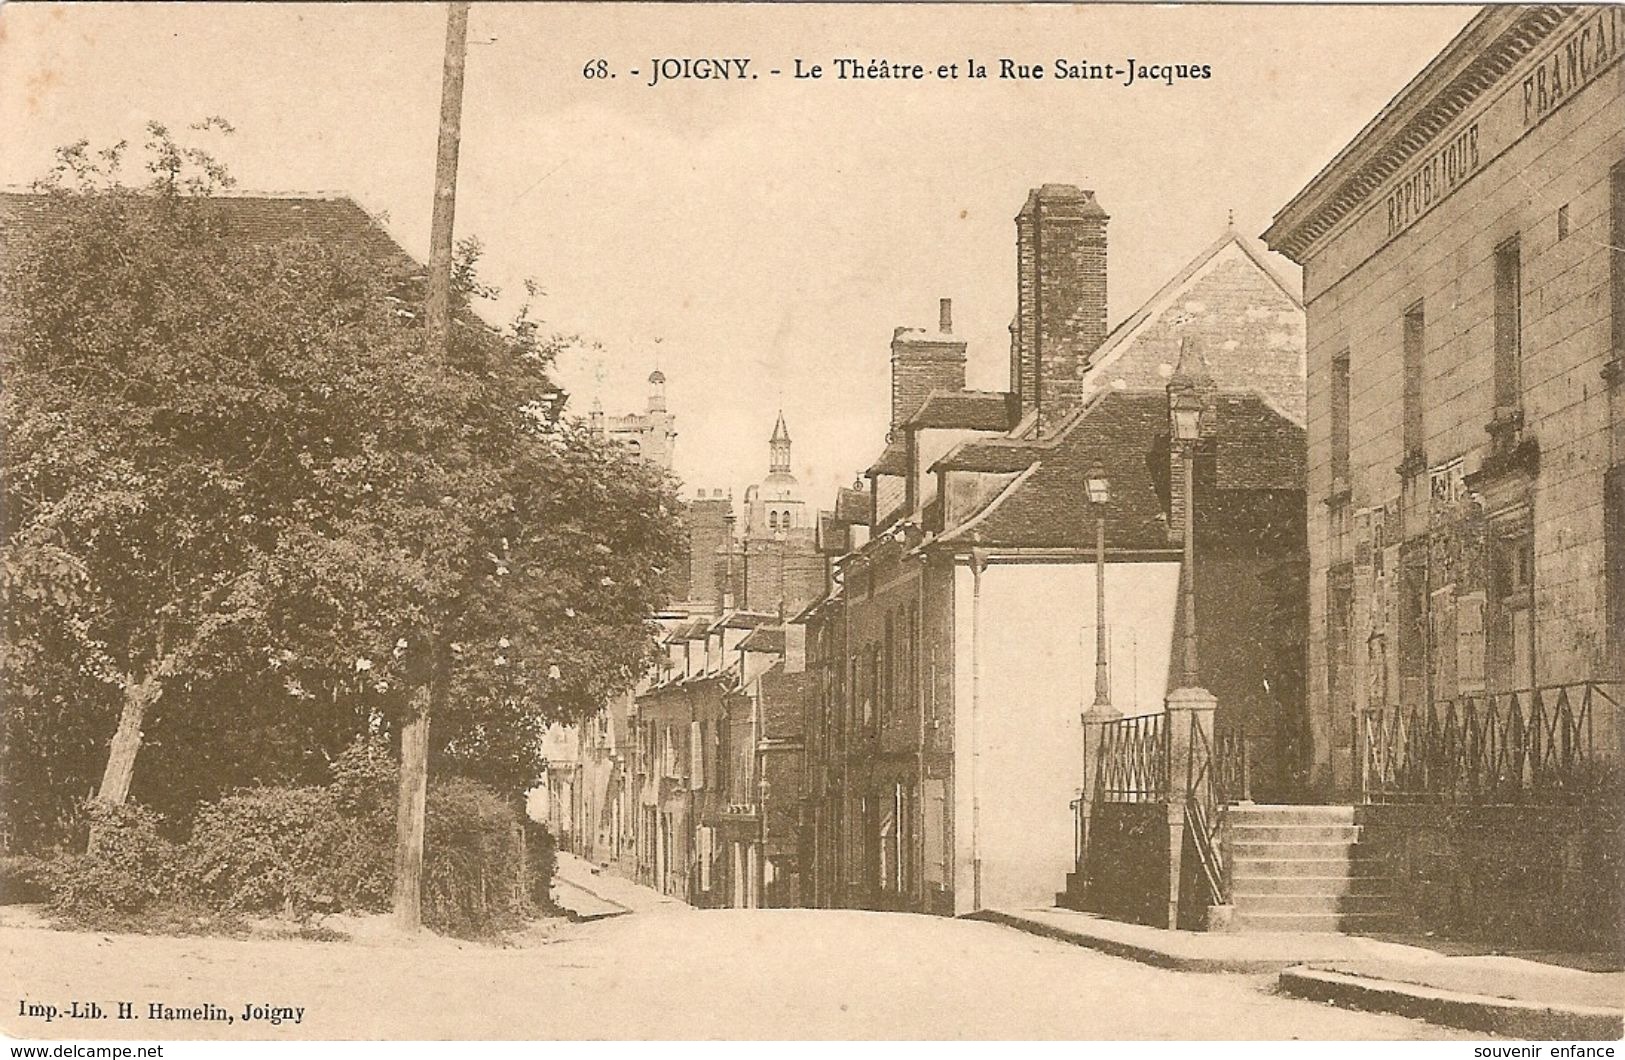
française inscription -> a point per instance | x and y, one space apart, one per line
1587 51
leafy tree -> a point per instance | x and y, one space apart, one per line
234 486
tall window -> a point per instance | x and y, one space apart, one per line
1508 330
888 693
1339 625
871 699
1340 420
853 696
1415 341
912 643
1617 262
1613 521
1512 580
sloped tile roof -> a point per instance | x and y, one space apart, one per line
252 219
693 629
1253 447
1049 507
764 639
852 505
975 410
743 620
999 456
893 461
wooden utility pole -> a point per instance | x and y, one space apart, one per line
414 782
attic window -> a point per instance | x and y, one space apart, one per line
1563 221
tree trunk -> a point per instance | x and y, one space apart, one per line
437 325
409 810
138 696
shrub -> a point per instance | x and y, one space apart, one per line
471 860
297 850
542 859
364 781
23 878
288 849
128 867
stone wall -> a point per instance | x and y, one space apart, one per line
1520 877
1128 844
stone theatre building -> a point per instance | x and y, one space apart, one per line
1465 286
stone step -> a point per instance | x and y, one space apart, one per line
1072 897
1290 865
1274 815
1353 923
1280 851
1312 904
1334 884
1249 832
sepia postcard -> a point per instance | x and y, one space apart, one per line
870 522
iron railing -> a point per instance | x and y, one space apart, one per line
1132 760
1219 773
1536 745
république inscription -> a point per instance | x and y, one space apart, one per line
726 70
162 1011
1581 55
1436 176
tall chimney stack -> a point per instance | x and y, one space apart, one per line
1060 298
922 362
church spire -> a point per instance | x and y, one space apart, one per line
779 447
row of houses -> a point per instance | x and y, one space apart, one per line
1377 546
905 732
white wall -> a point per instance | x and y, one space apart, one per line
1035 642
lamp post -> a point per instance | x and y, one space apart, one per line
1099 488
1100 712
1185 410
1190 708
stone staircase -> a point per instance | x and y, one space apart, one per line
1301 868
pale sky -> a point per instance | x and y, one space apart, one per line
770 232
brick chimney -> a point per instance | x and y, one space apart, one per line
710 516
923 361
1060 297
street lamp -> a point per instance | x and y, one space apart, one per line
1098 488
1191 709
1185 411
1100 495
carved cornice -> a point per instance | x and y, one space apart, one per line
1481 54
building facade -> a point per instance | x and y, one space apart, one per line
650 434
691 783
946 745
1464 273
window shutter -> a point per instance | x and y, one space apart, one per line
696 755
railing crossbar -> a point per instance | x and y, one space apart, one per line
1533 744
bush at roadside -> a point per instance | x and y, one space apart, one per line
297 851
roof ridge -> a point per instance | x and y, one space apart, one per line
325 195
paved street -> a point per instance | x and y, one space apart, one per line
771 974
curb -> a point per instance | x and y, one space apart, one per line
1130 951
588 918
1529 1020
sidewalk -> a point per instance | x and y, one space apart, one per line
1485 992
589 893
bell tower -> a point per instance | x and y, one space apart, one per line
778 448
